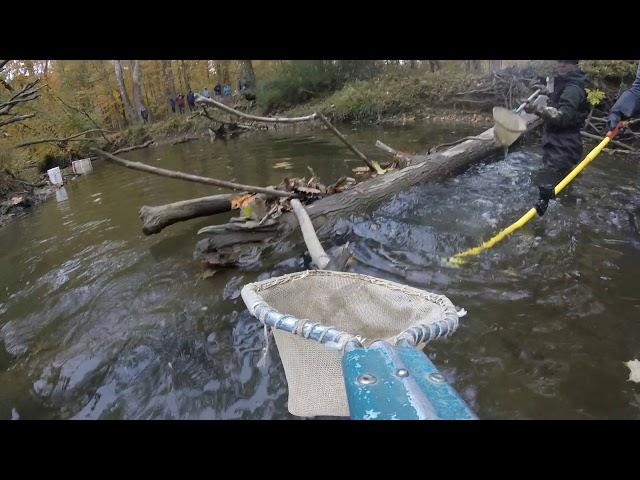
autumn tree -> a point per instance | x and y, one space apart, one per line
130 114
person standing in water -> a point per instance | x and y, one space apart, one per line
563 112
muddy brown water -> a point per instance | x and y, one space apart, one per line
99 321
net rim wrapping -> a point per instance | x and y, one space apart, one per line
332 337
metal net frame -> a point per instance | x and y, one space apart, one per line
315 314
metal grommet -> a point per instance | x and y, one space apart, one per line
366 379
402 372
436 378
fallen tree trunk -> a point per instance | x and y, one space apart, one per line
154 219
365 195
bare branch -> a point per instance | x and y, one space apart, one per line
6 85
16 118
26 94
372 164
208 101
79 110
614 142
190 177
61 140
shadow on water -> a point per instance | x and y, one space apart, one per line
99 321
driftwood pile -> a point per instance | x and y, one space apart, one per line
506 88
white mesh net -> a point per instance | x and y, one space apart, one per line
368 307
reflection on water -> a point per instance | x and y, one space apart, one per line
99 321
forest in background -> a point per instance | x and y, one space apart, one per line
107 96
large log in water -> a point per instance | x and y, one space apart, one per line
369 193
154 219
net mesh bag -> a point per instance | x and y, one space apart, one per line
358 307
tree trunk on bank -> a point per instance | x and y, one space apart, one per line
137 93
168 80
222 70
434 65
185 75
126 104
248 75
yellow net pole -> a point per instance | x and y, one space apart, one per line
522 221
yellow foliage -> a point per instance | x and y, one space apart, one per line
594 97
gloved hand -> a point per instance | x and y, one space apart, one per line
549 113
537 105
612 120
546 193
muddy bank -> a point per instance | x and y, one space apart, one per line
18 196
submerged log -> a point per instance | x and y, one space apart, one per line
233 244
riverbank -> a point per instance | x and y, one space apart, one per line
19 196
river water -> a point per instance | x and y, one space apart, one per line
98 321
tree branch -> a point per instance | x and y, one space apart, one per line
79 110
187 176
396 154
61 140
208 101
16 118
373 165
614 142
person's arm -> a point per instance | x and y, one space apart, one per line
635 88
627 105
568 105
